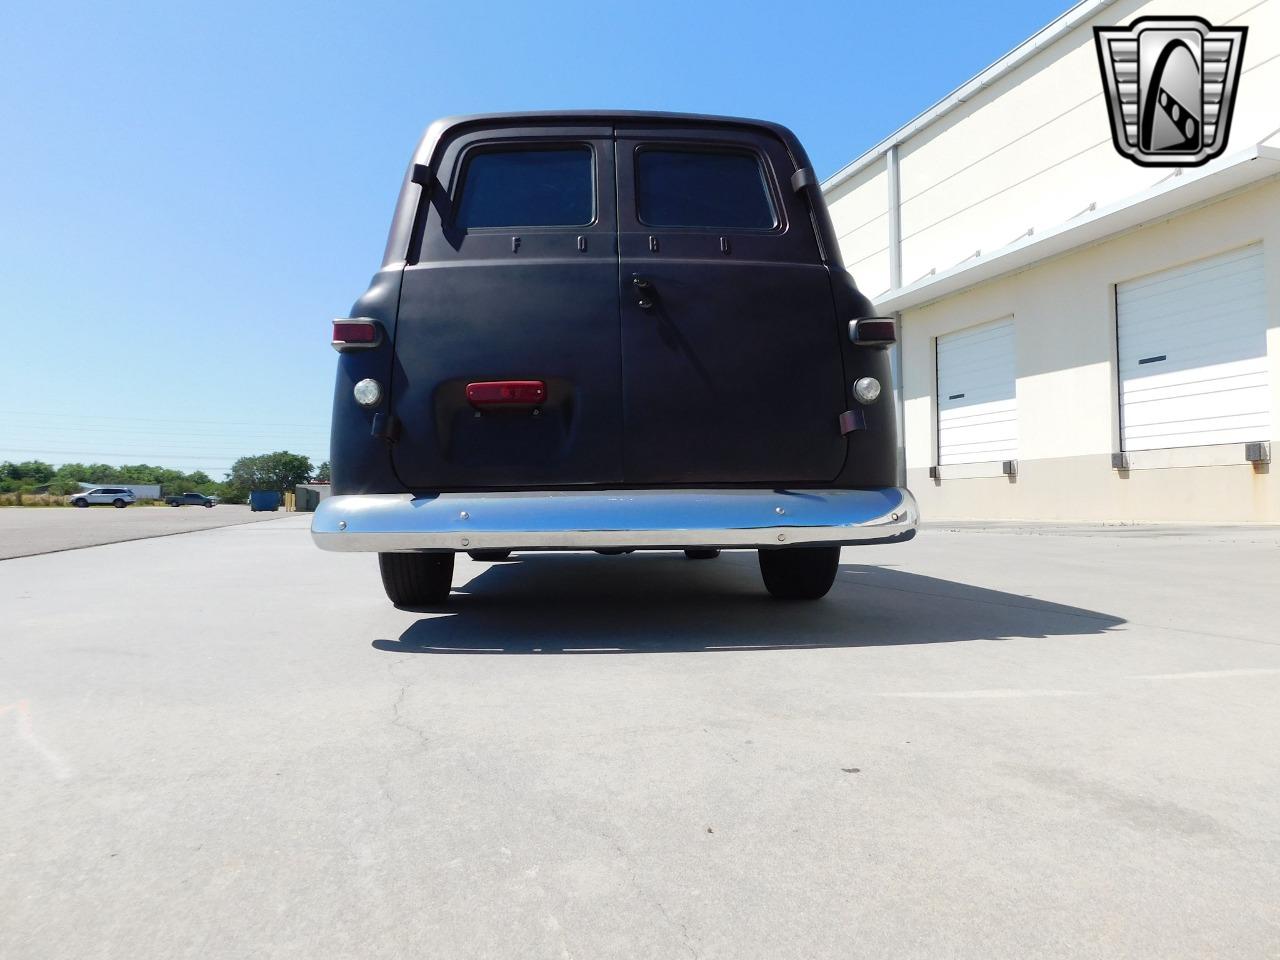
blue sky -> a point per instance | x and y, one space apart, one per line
188 193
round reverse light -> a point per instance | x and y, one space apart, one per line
368 393
866 390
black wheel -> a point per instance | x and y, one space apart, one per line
799 573
416 579
209 505
80 503
490 556
702 554
118 503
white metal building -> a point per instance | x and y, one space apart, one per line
1081 337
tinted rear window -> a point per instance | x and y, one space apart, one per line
527 188
704 188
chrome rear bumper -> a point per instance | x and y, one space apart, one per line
578 520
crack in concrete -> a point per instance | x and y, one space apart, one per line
672 922
398 718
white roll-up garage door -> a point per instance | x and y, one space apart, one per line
1193 354
977 399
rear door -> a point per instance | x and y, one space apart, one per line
731 362
517 279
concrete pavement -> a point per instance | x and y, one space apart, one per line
28 531
984 743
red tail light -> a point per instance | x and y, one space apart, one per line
355 334
497 392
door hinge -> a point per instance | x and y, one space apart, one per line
385 427
423 177
803 178
852 420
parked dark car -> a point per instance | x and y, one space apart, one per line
190 500
612 331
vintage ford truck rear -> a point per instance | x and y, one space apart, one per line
612 331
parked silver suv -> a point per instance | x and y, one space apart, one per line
116 496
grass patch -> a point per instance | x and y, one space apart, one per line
33 500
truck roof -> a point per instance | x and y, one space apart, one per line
436 131
402 222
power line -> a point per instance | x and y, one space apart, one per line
166 448
104 428
98 416
100 453
143 451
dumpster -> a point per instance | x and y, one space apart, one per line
264 500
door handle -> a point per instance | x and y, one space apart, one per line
644 290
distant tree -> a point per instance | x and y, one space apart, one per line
25 475
64 480
279 471
141 473
322 473
171 481
102 473
73 473
33 472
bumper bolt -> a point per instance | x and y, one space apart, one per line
342 524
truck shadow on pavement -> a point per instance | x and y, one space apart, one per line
663 603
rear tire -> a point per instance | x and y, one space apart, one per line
416 579
702 554
118 503
799 573
489 556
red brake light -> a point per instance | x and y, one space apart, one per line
873 331
494 392
355 333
